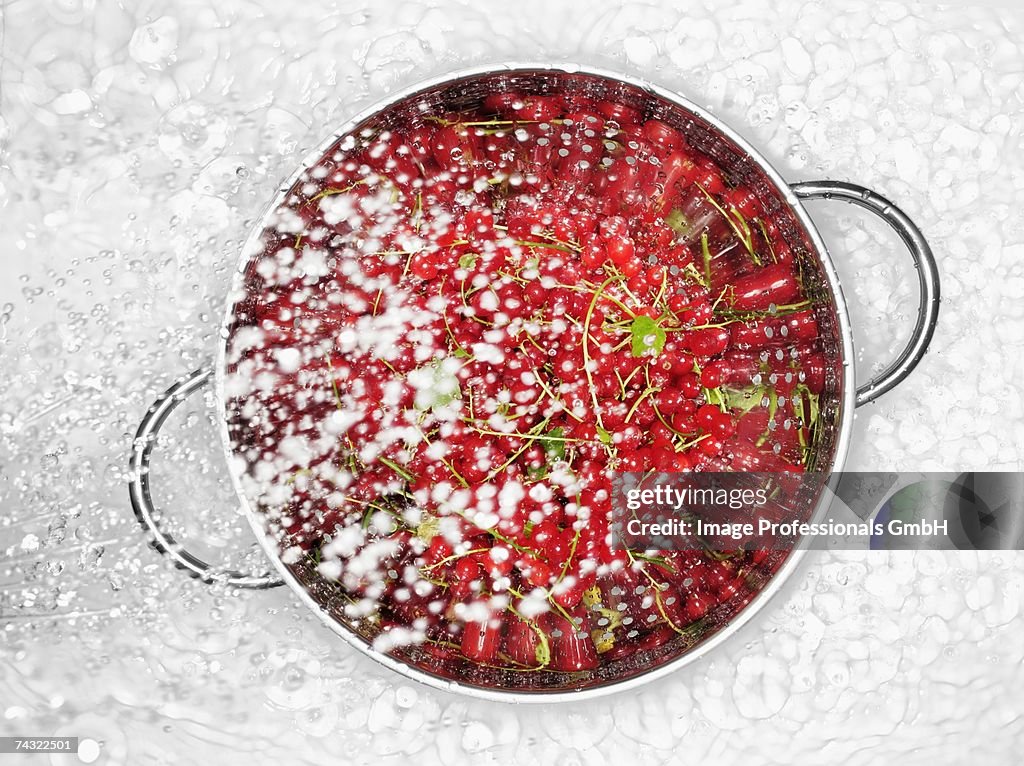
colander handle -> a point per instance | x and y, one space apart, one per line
142 500
924 263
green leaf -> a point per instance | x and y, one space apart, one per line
468 261
744 399
543 651
553 444
648 337
604 436
429 527
676 221
315 554
435 386
537 472
812 399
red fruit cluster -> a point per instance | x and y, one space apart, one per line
461 327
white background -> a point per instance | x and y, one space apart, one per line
138 145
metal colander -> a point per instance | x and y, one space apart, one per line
740 164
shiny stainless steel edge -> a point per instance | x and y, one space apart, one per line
142 500
927 277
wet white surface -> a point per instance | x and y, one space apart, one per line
137 147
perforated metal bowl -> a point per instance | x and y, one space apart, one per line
741 164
